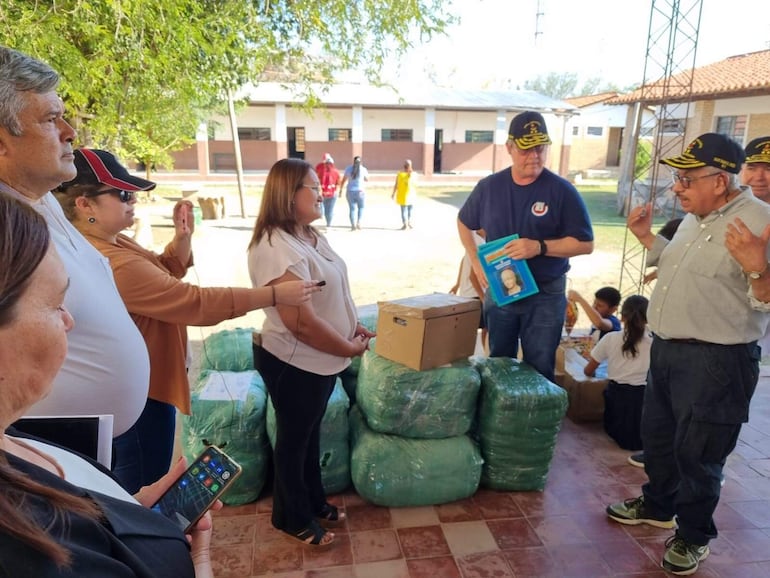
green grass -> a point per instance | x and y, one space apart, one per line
600 200
609 227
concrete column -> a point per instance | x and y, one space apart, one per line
357 132
202 149
429 141
501 136
280 136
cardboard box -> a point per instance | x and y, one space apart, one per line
585 394
427 331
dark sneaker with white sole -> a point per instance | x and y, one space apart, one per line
631 512
682 558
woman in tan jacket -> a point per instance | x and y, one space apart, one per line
100 204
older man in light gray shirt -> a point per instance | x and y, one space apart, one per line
708 309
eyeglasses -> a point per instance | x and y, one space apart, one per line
316 189
687 181
124 196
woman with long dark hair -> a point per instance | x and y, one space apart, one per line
303 347
628 359
355 176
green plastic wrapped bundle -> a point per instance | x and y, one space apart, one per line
228 350
367 316
228 410
520 415
393 471
431 404
335 445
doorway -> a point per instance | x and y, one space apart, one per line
295 140
438 145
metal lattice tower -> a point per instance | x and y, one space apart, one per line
669 66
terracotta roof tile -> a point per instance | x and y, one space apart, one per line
740 75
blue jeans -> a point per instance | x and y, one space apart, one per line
142 455
536 320
696 399
406 213
356 202
328 209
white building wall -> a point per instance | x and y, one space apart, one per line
740 106
454 123
374 120
249 116
318 123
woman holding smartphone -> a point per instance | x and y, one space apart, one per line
100 203
62 515
304 347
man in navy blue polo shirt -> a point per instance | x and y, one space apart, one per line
552 222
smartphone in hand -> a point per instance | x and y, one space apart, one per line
196 490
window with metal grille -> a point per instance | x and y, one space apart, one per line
479 136
396 134
732 126
253 133
340 134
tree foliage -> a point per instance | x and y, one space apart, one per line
554 84
138 76
565 85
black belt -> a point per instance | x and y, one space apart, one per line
692 341
689 341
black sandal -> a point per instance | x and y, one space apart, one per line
330 514
313 536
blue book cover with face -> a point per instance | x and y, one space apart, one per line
509 279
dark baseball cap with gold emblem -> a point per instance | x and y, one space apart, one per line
758 150
528 130
710 150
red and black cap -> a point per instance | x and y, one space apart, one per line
100 167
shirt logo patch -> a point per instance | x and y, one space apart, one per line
540 209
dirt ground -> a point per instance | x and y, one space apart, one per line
383 262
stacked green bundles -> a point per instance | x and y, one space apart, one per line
228 350
335 447
395 471
432 404
228 410
520 415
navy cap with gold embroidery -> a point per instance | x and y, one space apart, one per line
528 130
758 150
712 150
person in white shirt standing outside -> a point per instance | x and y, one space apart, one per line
107 368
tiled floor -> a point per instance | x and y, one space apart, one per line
561 532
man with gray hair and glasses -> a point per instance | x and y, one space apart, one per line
107 369
707 311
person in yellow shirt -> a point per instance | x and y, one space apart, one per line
403 192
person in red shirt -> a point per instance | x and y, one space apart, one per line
329 177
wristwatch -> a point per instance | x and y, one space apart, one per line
754 275
543 247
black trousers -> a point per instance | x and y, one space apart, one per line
623 414
696 399
299 398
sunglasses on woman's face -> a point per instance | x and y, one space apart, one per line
124 196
